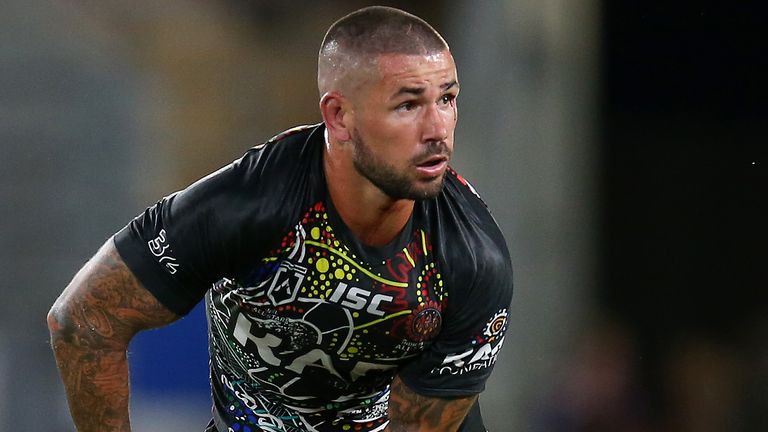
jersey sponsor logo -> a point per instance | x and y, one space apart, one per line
161 249
272 351
485 352
470 360
359 299
303 361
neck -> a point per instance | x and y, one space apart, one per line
372 216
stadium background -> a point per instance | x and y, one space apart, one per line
620 145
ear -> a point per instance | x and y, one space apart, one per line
337 117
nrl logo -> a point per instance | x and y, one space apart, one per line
286 283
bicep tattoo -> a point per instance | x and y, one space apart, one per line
91 324
105 302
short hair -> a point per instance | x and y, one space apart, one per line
367 33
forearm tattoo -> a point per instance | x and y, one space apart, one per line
91 325
409 411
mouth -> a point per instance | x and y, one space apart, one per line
432 166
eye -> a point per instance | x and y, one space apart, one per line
406 106
447 98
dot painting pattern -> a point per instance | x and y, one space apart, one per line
317 329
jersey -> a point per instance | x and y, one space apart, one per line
308 325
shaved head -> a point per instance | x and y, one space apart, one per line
352 45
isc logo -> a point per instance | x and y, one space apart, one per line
358 298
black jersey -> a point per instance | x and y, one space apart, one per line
307 325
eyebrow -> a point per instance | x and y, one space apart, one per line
449 85
417 91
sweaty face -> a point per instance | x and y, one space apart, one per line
404 123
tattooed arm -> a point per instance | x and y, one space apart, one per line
410 411
91 324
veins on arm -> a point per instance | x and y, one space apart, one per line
409 411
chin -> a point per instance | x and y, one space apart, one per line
429 191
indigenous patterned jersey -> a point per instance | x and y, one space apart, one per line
307 325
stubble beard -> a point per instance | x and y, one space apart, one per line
396 185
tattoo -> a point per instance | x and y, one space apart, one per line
91 324
410 411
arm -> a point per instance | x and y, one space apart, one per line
410 411
91 324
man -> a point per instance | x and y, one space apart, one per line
353 281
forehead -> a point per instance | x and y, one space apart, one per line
397 70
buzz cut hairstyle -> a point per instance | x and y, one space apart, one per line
382 30
356 40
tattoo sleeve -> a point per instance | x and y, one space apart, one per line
410 411
91 324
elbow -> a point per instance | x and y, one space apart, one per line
73 324
69 328
53 322
61 326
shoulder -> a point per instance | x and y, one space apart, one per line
264 168
465 211
254 192
471 241
291 149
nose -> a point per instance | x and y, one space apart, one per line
435 125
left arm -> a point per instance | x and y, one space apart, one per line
410 411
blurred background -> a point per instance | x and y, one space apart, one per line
620 145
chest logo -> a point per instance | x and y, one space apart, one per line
425 322
359 299
286 283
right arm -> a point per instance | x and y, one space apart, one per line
91 325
